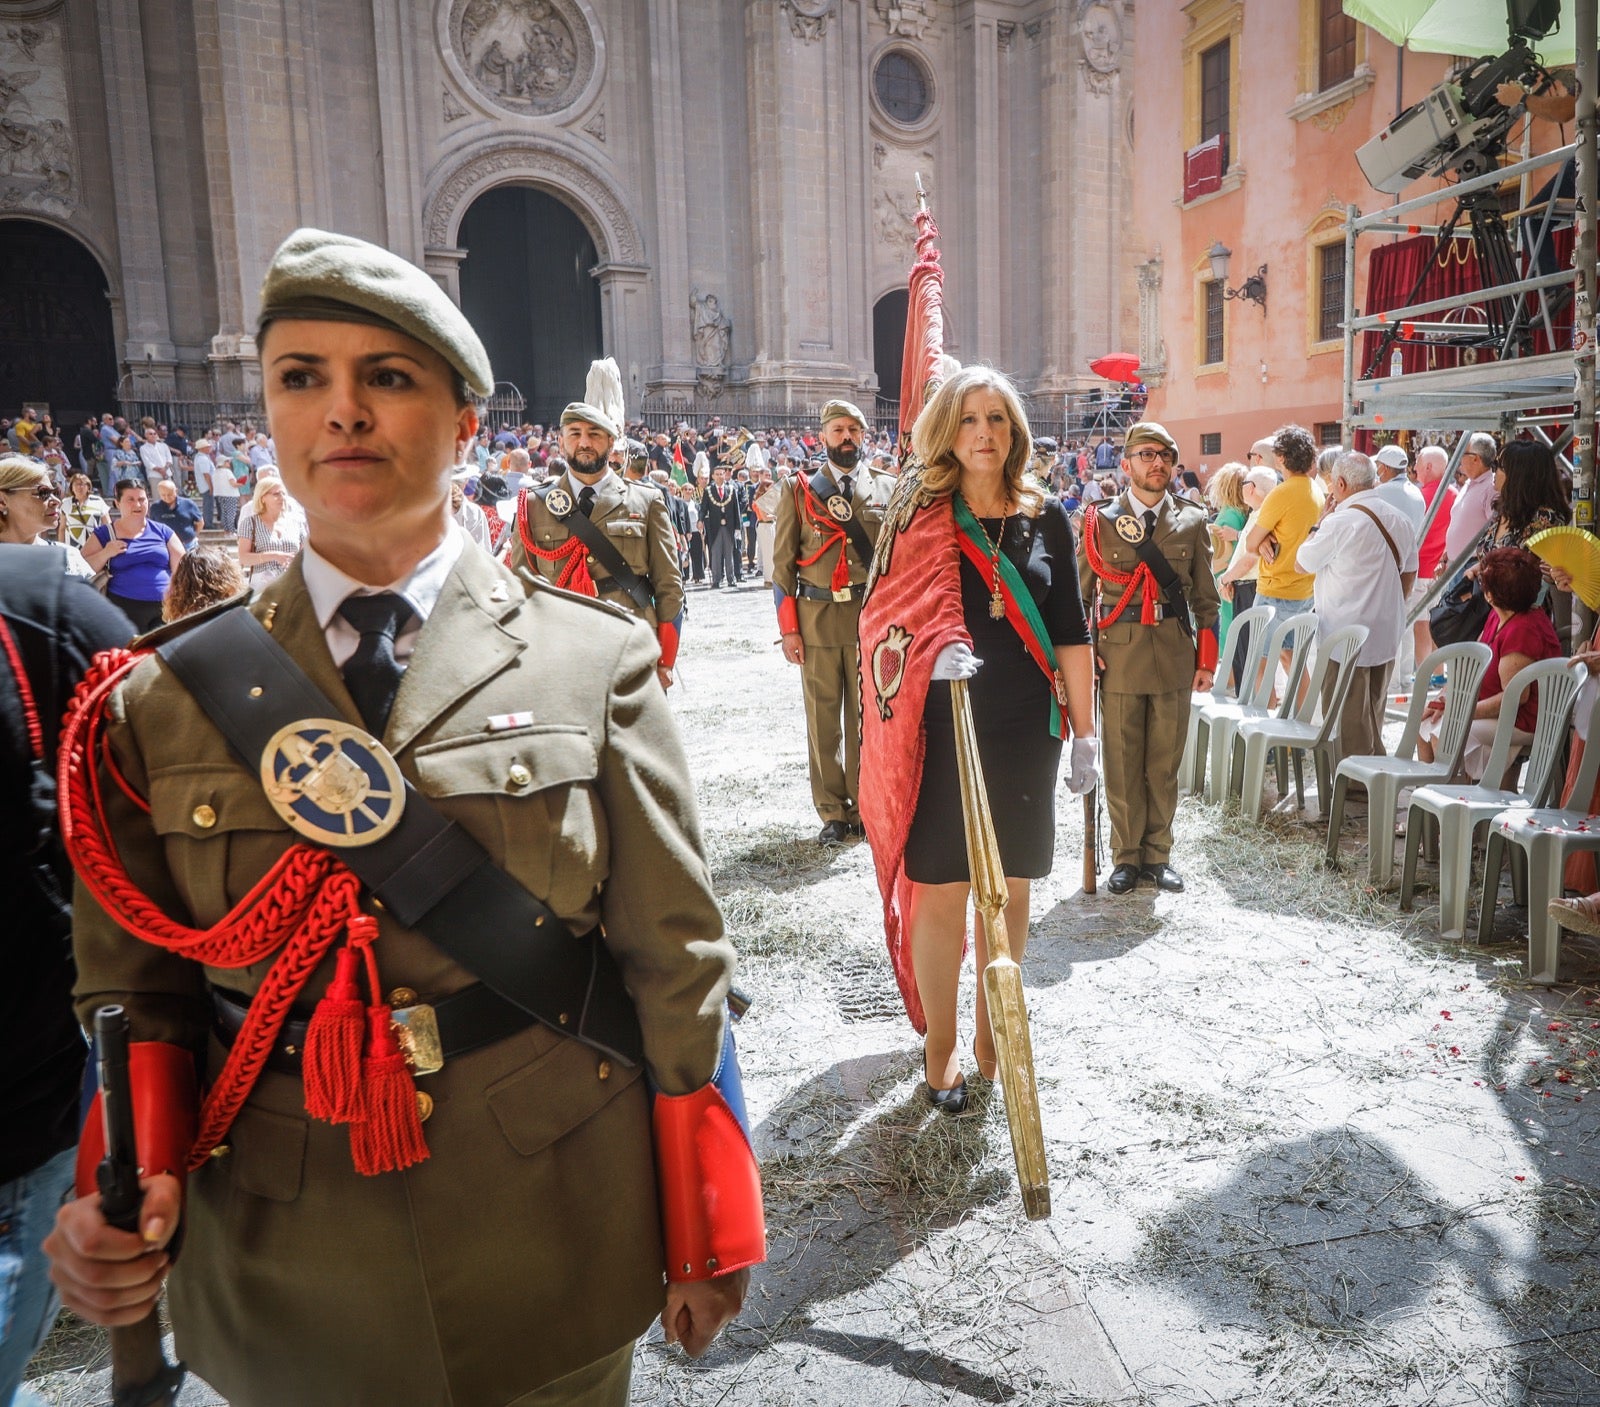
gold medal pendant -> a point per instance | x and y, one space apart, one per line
997 604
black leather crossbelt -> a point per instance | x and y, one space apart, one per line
468 1019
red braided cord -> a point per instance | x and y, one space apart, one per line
824 522
30 710
1131 581
575 575
300 905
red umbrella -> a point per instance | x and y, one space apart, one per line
1117 366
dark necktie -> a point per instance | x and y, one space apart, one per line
372 674
1150 524
847 486
586 501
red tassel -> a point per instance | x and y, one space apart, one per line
332 1057
390 1137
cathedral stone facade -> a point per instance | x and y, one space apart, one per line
724 188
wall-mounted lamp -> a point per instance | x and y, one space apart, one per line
1253 289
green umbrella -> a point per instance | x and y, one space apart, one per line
1467 27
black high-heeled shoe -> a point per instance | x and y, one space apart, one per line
946 1101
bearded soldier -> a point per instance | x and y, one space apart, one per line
1145 569
595 533
827 525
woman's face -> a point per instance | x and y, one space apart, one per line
133 503
271 502
366 423
32 510
983 438
79 487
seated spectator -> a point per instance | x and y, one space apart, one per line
1363 560
1529 494
201 579
180 514
1518 634
1431 465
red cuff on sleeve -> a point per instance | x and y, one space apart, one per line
788 616
667 635
166 1114
710 1186
1206 645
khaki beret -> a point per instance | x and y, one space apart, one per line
334 277
1147 432
843 410
593 415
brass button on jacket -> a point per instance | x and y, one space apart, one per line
204 817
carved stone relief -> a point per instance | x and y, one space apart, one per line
1005 32
1100 33
38 159
596 126
808 19
1152 348
453 111
894 207
907 18
531 57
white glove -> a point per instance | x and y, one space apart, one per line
1083 766
956 662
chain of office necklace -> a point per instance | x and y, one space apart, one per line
997 602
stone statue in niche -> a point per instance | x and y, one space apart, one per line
808 19
712 332
526 55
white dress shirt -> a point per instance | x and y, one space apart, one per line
1356 580
329 588
1474 506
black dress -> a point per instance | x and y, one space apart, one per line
1010 711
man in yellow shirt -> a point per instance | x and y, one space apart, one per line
1286 519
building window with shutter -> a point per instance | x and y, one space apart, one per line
1336 48
1214 64
1328 433
1212 443
1330 287
1214 348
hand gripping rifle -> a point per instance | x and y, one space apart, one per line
1002 979
140 1373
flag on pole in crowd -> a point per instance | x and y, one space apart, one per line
924 347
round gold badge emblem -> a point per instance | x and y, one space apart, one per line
334 783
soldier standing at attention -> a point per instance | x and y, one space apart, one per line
827 526
1146 575
592 532
470 824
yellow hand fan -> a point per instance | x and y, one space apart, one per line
1574 550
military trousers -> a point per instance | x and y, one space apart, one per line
603 1383
833 729
1141 747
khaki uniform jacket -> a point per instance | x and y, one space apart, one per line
634 518
1149 659
825 623
528 1244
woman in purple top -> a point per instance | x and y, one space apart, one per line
139 554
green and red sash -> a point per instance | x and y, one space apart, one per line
1021 609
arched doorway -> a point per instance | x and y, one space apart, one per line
57 347
526 287
889 340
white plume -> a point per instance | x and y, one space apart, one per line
603 390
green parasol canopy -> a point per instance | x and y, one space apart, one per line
1467 27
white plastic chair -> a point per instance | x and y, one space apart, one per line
1544 836
1461 811
1294 636
1192 774
1386 777
1255 737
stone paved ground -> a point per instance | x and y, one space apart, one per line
1301 1152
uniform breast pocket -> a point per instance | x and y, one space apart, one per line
220 833
529 796
626 527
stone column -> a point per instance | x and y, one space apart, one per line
674 373
148 354
975 271
625 325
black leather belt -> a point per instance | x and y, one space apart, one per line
821 593
468 1019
